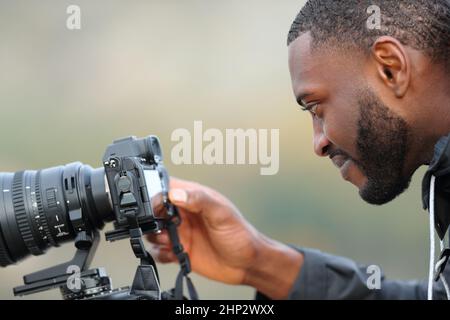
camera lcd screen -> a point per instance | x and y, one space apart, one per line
154 189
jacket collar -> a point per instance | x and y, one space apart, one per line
440 168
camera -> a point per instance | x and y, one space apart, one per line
45 208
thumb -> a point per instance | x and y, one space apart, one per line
194 200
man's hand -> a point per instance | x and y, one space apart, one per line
223 246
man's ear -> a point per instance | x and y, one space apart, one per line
392 64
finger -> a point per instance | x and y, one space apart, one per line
161 238
162 254
193 199
196 198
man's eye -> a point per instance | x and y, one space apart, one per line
312 109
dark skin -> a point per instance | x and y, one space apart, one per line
403 78
223 246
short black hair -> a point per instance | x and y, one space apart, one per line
421 24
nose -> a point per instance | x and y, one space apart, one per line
320 141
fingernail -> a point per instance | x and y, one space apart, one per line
178 195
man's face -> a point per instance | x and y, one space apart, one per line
363 137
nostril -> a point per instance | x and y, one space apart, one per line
321 144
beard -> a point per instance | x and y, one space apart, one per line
382 146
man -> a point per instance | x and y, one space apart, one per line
380 102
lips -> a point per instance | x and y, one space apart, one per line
343 163
339 160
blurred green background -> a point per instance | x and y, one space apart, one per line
150 67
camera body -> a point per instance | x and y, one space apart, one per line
138 185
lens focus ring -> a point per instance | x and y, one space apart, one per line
42 216
21 215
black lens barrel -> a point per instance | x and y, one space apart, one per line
35 208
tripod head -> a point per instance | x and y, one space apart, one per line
76 281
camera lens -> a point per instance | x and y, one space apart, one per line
37 208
